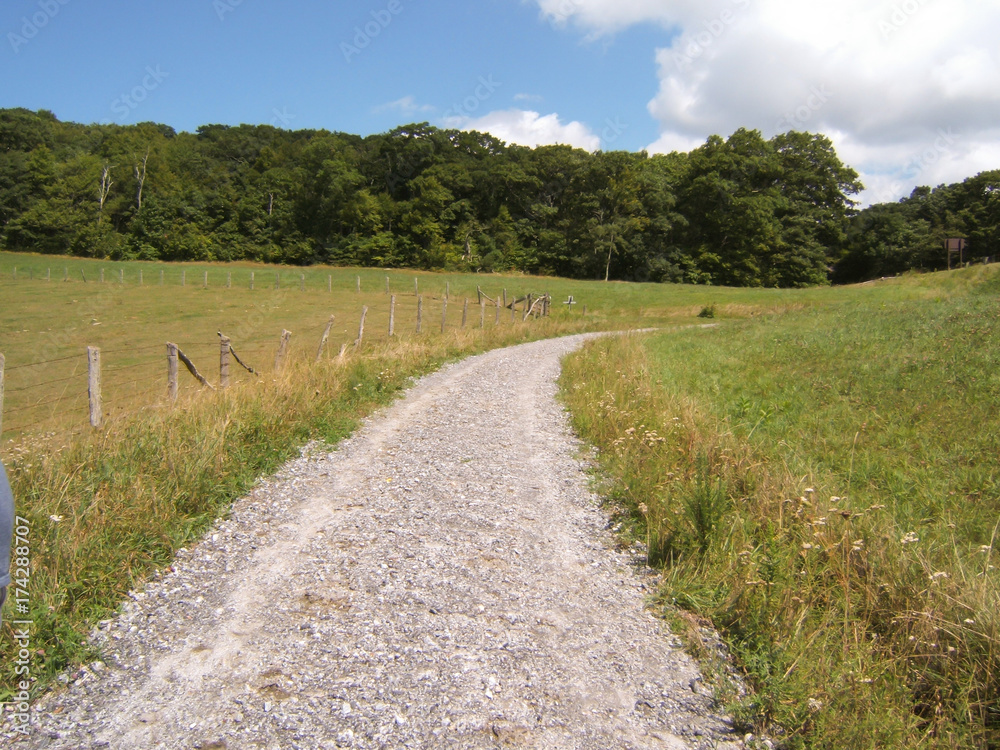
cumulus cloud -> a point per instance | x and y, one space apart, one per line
528 128
909 90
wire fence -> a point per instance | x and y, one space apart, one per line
70 392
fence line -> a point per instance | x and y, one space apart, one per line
106 393
284 278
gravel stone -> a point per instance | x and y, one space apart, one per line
444 578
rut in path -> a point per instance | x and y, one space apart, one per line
443 579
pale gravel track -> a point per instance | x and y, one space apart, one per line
443 579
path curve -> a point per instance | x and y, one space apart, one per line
443 579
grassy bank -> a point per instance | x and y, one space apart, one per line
822 485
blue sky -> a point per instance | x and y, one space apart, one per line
909 90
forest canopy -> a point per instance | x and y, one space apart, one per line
737 211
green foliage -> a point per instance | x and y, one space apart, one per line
891 238
743 211
821 485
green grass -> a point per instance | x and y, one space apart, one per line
46 323
883 396
823 486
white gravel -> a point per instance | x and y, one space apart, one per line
443 579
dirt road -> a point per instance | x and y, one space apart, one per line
444 579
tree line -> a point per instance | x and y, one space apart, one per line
742 211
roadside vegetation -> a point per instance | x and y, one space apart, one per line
822 486
109 507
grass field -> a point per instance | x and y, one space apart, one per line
815 474
823 487
52 308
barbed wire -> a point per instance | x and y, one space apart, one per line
43 383
40 404
45 362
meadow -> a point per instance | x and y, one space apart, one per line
814 474
822 486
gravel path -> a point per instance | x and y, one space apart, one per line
443 579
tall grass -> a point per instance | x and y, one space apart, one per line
822 485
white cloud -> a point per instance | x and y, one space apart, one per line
529 128
886 77
407 106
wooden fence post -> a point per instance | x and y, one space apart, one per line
416 287
329 283
205 283
224 349
361 328
184 277
65 273
420 313
229 279
277 279
251 280
444 314
140 277
358 280
161 277
172 372
94 385
482 313
447 289
302 283
2 363
102 274
479 293
279 358
326 335
465 312
392 314
387 285
121 275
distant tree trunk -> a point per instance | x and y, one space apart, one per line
140 179
104 190
611 249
